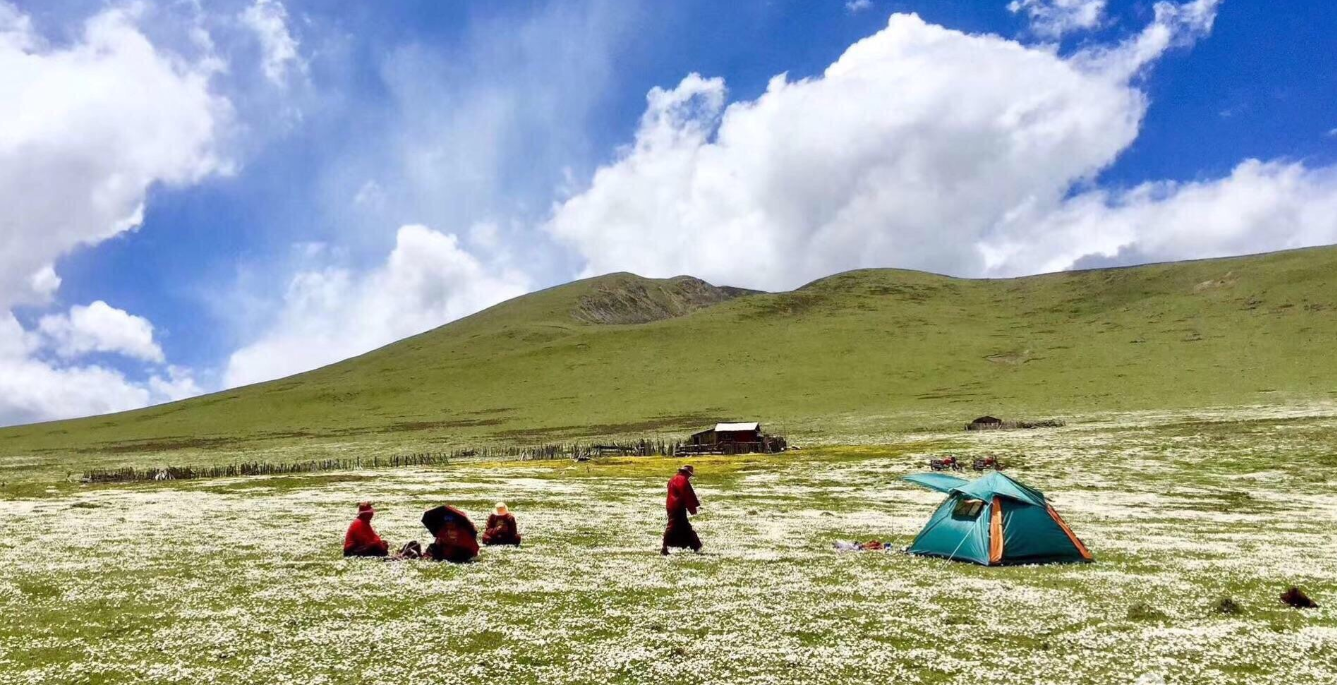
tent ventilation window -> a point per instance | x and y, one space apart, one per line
968 508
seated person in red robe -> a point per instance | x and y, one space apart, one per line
361 540
501 529
456 538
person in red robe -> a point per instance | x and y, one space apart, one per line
681 502
361 539
456 538
501 528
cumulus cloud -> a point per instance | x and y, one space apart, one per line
84 131
268 20
333 313
927 148
86 128
99 327
904 151
1054 18
857 6
1259 207
31 390
34 390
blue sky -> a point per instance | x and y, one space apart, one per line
216 193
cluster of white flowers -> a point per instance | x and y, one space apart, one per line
241 580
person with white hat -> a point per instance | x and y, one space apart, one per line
501 528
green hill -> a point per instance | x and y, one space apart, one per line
856 354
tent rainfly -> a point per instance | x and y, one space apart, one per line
993 521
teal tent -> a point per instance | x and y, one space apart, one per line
994 520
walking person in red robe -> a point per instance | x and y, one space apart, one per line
681 502
361 539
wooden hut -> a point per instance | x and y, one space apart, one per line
729 438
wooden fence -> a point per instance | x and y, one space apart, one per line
579 451
768 445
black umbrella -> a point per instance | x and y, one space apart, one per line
437 518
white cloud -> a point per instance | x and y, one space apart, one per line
99 327
34 390
481 127
370 196
178 384
1258 208
334 313
903 152
268 20
86 128
857 6
919 147
1175 26
84 131
45 282
1054 18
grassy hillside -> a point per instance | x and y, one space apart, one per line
864 352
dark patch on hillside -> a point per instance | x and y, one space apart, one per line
680 421
733 291
626 299
863 291
405 426
165 444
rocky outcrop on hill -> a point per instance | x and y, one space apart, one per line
630 299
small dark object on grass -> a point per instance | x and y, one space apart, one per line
992 423
945 464
1145 612
1227 606
1296 597
987 463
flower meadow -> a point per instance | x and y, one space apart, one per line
241 580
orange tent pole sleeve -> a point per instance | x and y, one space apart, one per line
1068 531
996 531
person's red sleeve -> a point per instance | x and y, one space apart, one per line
690 497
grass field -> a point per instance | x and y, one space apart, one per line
1197 464
240 581
858 356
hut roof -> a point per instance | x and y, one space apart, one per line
729 427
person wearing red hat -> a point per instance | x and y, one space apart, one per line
361 540
681 501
